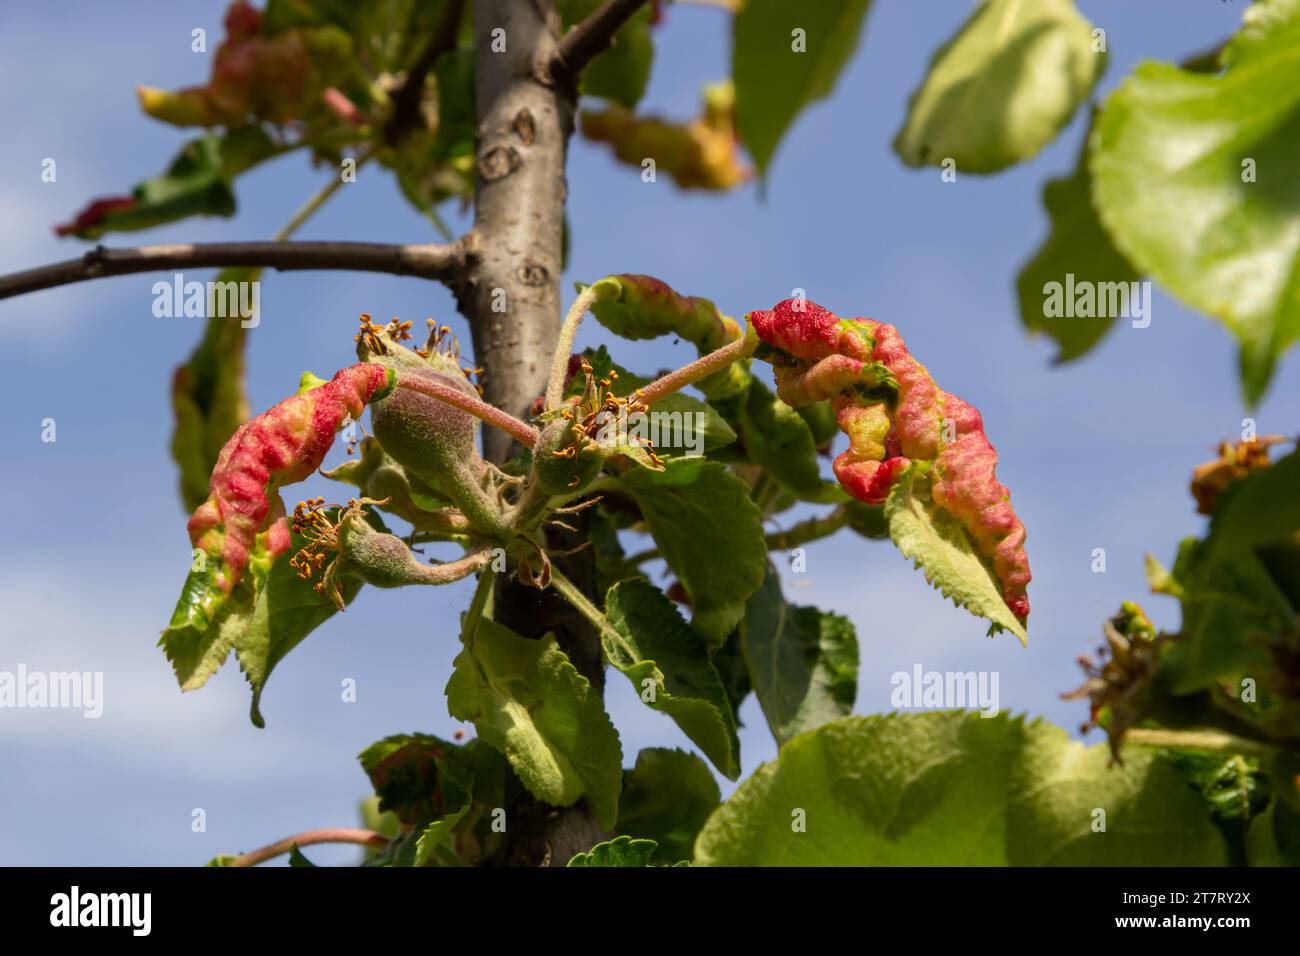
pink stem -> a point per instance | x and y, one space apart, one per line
702 367
329 835
524 433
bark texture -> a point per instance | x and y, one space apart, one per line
511 292
511 295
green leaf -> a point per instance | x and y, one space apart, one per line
620 73
1230 609
620 851
709 532
956 789
778 439
803 662
296 859
729 662
778 72
383 822
1262 508
400 852
1234 790
269 613
1170 157
436 835
669 667
1002 88
667 797
938 543
1274 837
1076 247
208 398
529 702
380 477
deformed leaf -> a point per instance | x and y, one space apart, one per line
529 702
935 540
409 773
803 661
956 789
1260 509
701 153
669 667
1003 87
1192 176
710 533
197 182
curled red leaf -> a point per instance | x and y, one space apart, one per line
280 446
93 215
894 414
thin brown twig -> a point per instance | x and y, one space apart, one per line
406 102
427 261
590 38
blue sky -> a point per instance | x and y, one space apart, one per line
1097 453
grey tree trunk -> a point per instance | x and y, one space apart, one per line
511 296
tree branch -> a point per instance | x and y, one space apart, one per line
406 102
590 38
809 530
427 261
1206 741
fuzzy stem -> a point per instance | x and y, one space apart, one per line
812 529
521 431
450 571
329 835
1207 741
478 604
702 367
310 207
574 595
564 346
